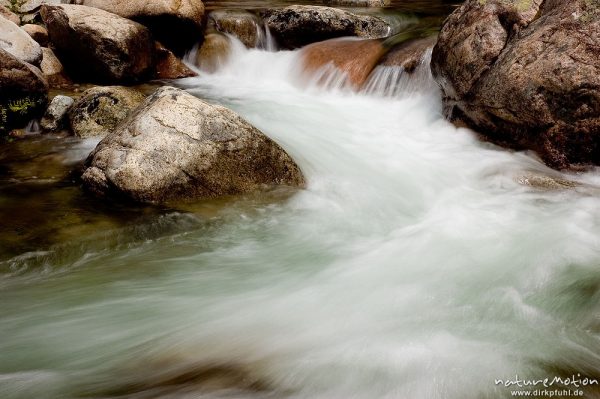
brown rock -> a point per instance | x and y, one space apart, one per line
356 58
37 33
526 77
241 24
175 23
178 147
168 66
358 3
53 70
409 54
96 45
214 53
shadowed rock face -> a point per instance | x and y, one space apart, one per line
96 45
23 92
176 146
296 26
177 24
526 75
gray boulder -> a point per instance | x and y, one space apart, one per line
99 110
296 26
23 92
96 45
55 116
16 41
178 147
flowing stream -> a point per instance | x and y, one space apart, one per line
414 265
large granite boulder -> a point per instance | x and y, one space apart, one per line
526 74
95 45
100 109
16 41
175 23
23 92
176 146
296 26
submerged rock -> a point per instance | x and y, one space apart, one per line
17 42
23 92
241 24
56 114
296 26
175 23
176 146
214 52
526 75
408 55
100 110
354 58
96 45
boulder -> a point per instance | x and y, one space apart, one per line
23 92
214 53
241 24
37 33
16 41
99 110
53 70
358 3
296 26
168 66
98 46
525 75
175 23
355 58
178 147
55 116
8 14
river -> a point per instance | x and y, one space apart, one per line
416 263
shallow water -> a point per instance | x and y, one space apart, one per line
414 265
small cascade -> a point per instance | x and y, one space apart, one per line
396 81
33 127
265 40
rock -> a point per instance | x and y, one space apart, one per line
53 70
23 92
525 75
8 14
178 147
359 3
355 58
99 110
168 66
545 182
98 46
409 54
241 24
37 33
175 23
29 6
214 53
296 26
56 113
16 41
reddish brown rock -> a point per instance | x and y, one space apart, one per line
168 66
526 74
356 58
409 54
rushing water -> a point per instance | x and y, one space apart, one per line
414 265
